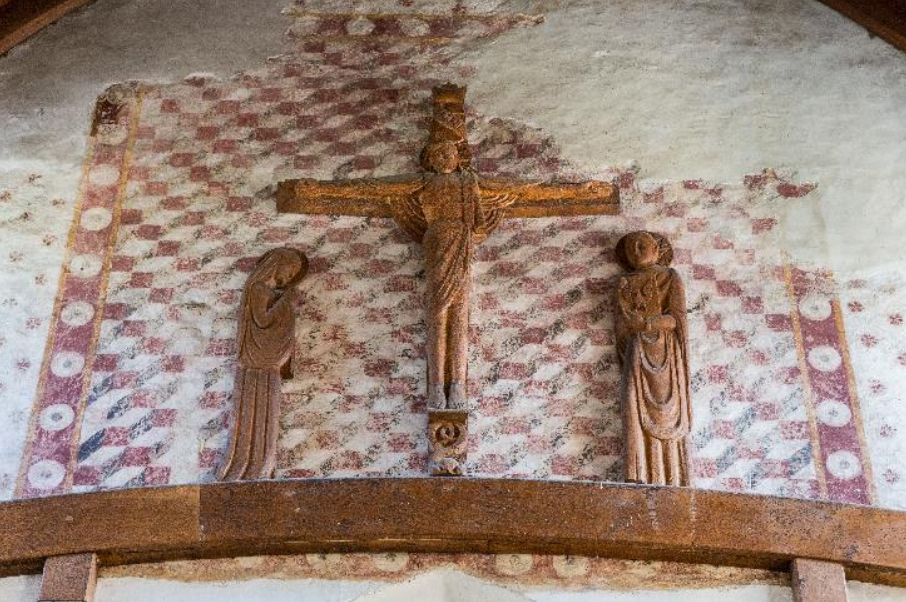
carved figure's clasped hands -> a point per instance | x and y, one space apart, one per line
654 324
659 323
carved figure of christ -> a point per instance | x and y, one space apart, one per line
449 210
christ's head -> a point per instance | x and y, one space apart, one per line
441 157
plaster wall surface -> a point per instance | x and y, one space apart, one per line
869 592
51 81
713 89
742 594
20 589
271 590
440 586
702 92
48 86
143 589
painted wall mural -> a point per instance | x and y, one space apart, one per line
177 203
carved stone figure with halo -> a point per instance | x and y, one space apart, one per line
652 346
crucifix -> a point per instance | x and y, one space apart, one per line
449 209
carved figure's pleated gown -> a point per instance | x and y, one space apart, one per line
656 406
656 410
266 327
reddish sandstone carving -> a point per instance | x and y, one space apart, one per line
266 342
448 209
448 434
652 347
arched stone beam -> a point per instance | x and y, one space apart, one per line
453 515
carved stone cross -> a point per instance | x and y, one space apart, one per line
448 209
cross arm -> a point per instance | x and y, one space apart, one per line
363 197
548 199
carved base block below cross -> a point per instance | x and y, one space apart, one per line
448 435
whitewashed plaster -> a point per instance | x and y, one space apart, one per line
45 109
875 314
706 90
715 89
48 85
26 589
712 90
20 589
271 590
454 586
869 592
445 585
750 593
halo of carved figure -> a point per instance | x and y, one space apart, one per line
652 344
266 345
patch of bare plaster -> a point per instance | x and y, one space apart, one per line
717 89
48 85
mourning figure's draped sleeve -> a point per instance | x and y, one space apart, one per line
676 307
266 329
657 411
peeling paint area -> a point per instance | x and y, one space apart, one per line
523 571
440 586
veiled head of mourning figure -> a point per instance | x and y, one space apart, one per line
642 250
440 157
282 267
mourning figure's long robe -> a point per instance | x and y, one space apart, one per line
266 331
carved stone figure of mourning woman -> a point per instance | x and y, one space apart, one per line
652 347
266 344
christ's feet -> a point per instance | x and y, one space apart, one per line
436 398
457 399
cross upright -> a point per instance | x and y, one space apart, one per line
448 209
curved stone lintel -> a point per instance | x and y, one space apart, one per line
453 515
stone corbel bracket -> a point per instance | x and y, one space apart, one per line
448 435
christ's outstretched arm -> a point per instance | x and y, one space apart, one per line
364 197
547 199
